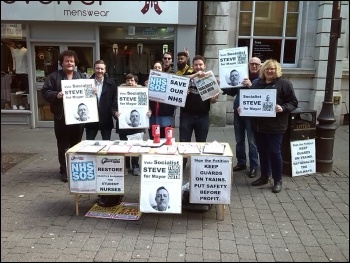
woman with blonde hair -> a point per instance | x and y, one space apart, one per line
269 130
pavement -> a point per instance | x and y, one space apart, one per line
307 221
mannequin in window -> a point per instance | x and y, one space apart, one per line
116 64
140 62
6 71
21 66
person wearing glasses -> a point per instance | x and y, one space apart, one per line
167 62
242 126
269 131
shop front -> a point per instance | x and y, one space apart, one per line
124 34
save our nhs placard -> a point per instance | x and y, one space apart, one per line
167 88
257 102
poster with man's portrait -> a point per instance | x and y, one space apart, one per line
79 101
161 184
133 107
233 67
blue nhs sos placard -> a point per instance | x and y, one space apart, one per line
83 171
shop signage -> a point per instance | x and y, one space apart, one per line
13 31
152 12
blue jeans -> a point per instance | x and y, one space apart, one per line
192 122
241 126
269 147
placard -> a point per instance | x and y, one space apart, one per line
161 184
91 174
210 180
303 157
168 88
257 102
207 86
79 101
233 67
133 107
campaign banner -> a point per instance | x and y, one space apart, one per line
210 179
303 157
207 86
161 184
133 107
79 101
257 102
110 174
168 88
233 67
82 173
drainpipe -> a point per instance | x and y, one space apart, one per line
200 28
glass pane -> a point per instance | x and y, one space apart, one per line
46 61
245 21
246 5
44 113
268 20
291 25
289 51
267 49
244 43
293 6
85 57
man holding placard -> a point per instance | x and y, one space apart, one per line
66 135
194 117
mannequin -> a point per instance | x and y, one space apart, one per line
21 67
140 61
116 64
6 71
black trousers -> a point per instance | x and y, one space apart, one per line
67 136
92 132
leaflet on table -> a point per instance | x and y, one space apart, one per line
92 146
207 86
161 183
133 107
166 149
168 88
139 149
214 148
184 148
233 67
79 101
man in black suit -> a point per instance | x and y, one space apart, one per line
106 91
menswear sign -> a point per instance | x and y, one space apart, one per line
165 12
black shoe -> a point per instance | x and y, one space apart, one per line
277 187
239 167
260 181
64 177
252 173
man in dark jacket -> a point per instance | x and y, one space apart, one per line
66 135
106 91
242 127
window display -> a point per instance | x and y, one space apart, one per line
14 75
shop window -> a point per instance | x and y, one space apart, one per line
270 29
14 75
131 49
